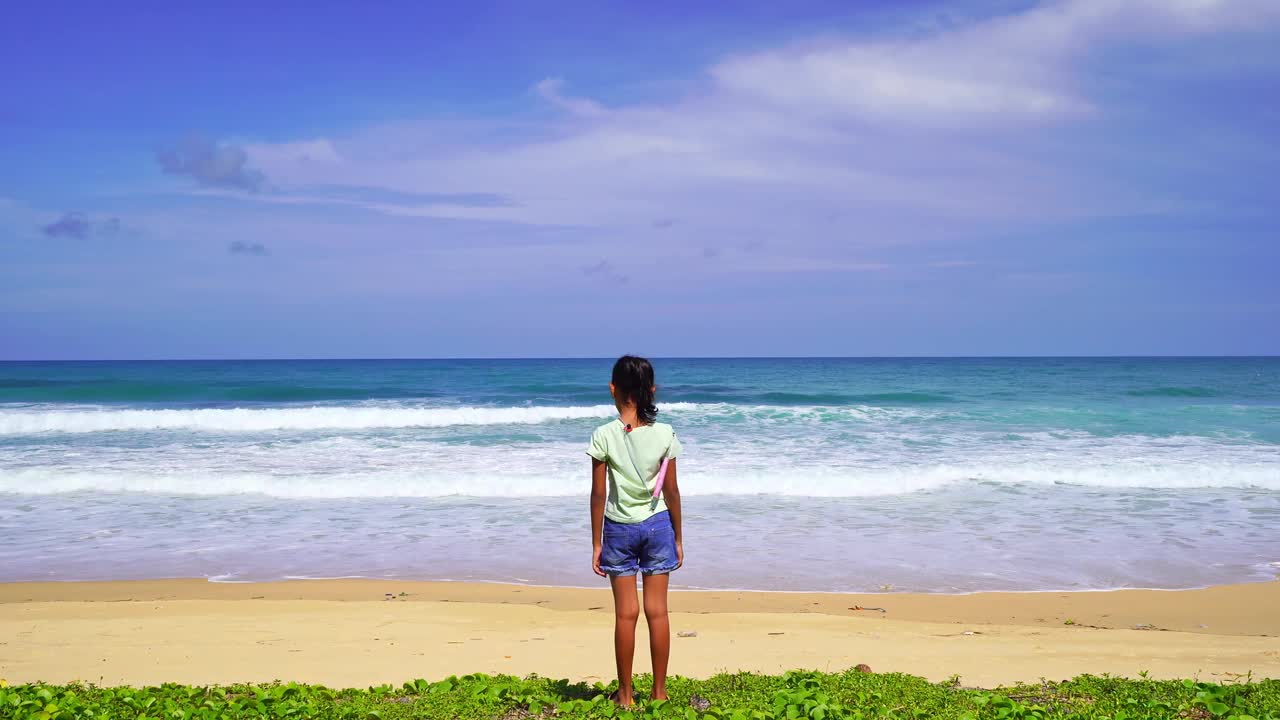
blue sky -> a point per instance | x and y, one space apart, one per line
588 178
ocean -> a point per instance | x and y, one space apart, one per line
929 475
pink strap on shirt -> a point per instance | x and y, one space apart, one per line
662 475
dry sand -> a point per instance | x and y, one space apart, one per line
346 633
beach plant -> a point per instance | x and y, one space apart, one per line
797 695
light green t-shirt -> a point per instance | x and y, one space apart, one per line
631 497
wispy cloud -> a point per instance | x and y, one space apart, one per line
212 164
243 248
552 90
373 195
79 226
375 199
72 225
109 227
605 271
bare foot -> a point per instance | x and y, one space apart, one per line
621 699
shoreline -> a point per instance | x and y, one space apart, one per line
355 633
1238 609
217 580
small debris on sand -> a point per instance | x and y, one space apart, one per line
687 633
862 667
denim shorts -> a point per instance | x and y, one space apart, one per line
647 547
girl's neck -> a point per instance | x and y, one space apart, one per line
627 413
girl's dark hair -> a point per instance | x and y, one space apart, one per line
633 380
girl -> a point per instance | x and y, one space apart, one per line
635 524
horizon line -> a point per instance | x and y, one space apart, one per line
514 358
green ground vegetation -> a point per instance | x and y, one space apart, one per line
744 696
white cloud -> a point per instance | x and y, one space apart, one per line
901 84
899 137
1019 67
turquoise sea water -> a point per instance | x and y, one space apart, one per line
945 475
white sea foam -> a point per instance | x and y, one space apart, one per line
270 419
33 420
465 481
377 450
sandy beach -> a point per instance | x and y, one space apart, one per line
363 632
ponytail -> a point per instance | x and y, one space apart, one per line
633 381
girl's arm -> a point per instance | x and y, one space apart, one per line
671 493
599 491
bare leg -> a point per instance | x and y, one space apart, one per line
655 613
626 611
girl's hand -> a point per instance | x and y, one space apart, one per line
595 560
679 555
